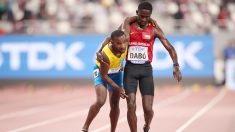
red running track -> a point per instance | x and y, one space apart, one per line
57 108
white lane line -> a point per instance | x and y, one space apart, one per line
208 106
21 113
77 114
35 110
157 105
50 121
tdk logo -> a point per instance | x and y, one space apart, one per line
41 56
187 55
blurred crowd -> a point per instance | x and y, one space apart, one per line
103 16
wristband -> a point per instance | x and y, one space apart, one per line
176 64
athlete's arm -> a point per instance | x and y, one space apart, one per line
129 20
98 53
104 68
154 23
105 42
126 25
171 50
121 27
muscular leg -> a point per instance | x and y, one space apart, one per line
147 101
101 95
147 92
114 98
131 109
131 75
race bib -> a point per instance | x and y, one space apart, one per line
138 53
96 73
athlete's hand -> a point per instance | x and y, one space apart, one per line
122 93
99 56
177 74
153 22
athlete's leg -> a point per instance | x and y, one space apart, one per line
147 92
131 112
147 101
114 99
101 95
130 86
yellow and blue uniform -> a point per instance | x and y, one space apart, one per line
114 71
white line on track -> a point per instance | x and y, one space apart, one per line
207 107
21 113
77 114
157 105
35 110
50 121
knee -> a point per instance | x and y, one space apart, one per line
99 103
114 105
131 106
148 109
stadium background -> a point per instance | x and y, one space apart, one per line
47 50
57 39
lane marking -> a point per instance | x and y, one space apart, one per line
207 107
34 110
157 105
50 121
21 113
77 114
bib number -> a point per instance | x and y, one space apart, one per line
96 73
138 53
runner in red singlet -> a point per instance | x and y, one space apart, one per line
138 68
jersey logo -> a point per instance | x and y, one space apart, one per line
146 36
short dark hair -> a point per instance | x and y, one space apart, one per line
117 33
145 5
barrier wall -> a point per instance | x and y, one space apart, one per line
64 57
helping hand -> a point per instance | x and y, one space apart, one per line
99 56
122 93
153 22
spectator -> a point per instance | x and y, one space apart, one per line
178 16
229 55
43 14
102 16
229 52
3 8
223 17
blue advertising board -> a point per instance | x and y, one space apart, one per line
195 56
27 57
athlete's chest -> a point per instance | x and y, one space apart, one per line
145 35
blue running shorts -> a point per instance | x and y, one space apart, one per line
116 77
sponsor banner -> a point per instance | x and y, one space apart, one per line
27 57
195 56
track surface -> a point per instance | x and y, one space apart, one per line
57 108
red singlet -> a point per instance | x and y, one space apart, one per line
140 48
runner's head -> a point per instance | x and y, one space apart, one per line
119 41
144 13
